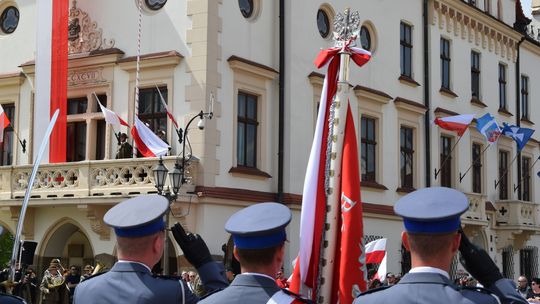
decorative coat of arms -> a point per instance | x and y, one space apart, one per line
84 34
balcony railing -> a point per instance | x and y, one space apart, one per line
517 214
476 214
89 178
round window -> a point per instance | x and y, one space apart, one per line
365 38
155 4
323 23
9 19
246 7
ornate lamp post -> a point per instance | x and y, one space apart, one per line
177 178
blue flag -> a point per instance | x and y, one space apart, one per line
487 125
520 135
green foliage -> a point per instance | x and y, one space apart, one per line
6 246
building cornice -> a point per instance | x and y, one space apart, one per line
413 106
11 79
372 94
245 65
151 60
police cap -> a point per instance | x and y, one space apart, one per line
138 216
432 210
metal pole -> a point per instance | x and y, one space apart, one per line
165 263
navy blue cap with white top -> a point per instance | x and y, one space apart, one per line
432 210
259 226
138 216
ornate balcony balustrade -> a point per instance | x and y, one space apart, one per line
515 222
89 178
476 215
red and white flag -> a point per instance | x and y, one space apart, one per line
167 108
51 75
383 270
458 123
148 143
375 251
112 118
4 123
348 274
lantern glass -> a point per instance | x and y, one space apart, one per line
160 175
176 178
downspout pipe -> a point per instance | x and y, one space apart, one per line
518 108
427 134
281 123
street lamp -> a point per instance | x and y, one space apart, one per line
177 178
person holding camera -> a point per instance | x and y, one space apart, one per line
431 217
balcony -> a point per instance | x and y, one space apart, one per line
86 179
515 222
476 214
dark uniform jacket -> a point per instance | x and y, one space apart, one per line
9 299
245 288
435 288
129 282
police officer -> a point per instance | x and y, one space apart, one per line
140 233
258 234
431 217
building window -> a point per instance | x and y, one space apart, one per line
9 20
528 262
406 158
246 7
502 86
487 6
477 168
524 97
365 38
503 175
475 75
246 152
406 49
526 179
508 262
151 110
445 64
323 23
6 147
155 4
446 161
368 148
76 141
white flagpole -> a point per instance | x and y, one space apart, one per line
137 75
336 124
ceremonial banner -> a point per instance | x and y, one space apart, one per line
4 123
51 75
458 123
487 125
148 143
520 135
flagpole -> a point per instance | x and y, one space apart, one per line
497 182
137 75
474 160
334 153
448 156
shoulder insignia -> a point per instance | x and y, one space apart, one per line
94 276
298 297
211 293
374 290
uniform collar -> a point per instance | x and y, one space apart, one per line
254 279
125 265
428 269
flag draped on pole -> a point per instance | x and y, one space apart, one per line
349 262
164 104
520 135
51 74
487 126
148 143
376 254
4 123
112 118
458 123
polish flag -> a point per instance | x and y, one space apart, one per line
166 108
148 143
111 117
382 271
458 123
375 251
4 123
51 75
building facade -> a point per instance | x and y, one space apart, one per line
431 58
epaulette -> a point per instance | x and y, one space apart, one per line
93 276
297 296
375 290
211 293
167 277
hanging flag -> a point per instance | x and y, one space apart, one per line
166 108
111 117
487 126
383 270
4 123
458 123
520 135
306 270
148 143
375 251
51 75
